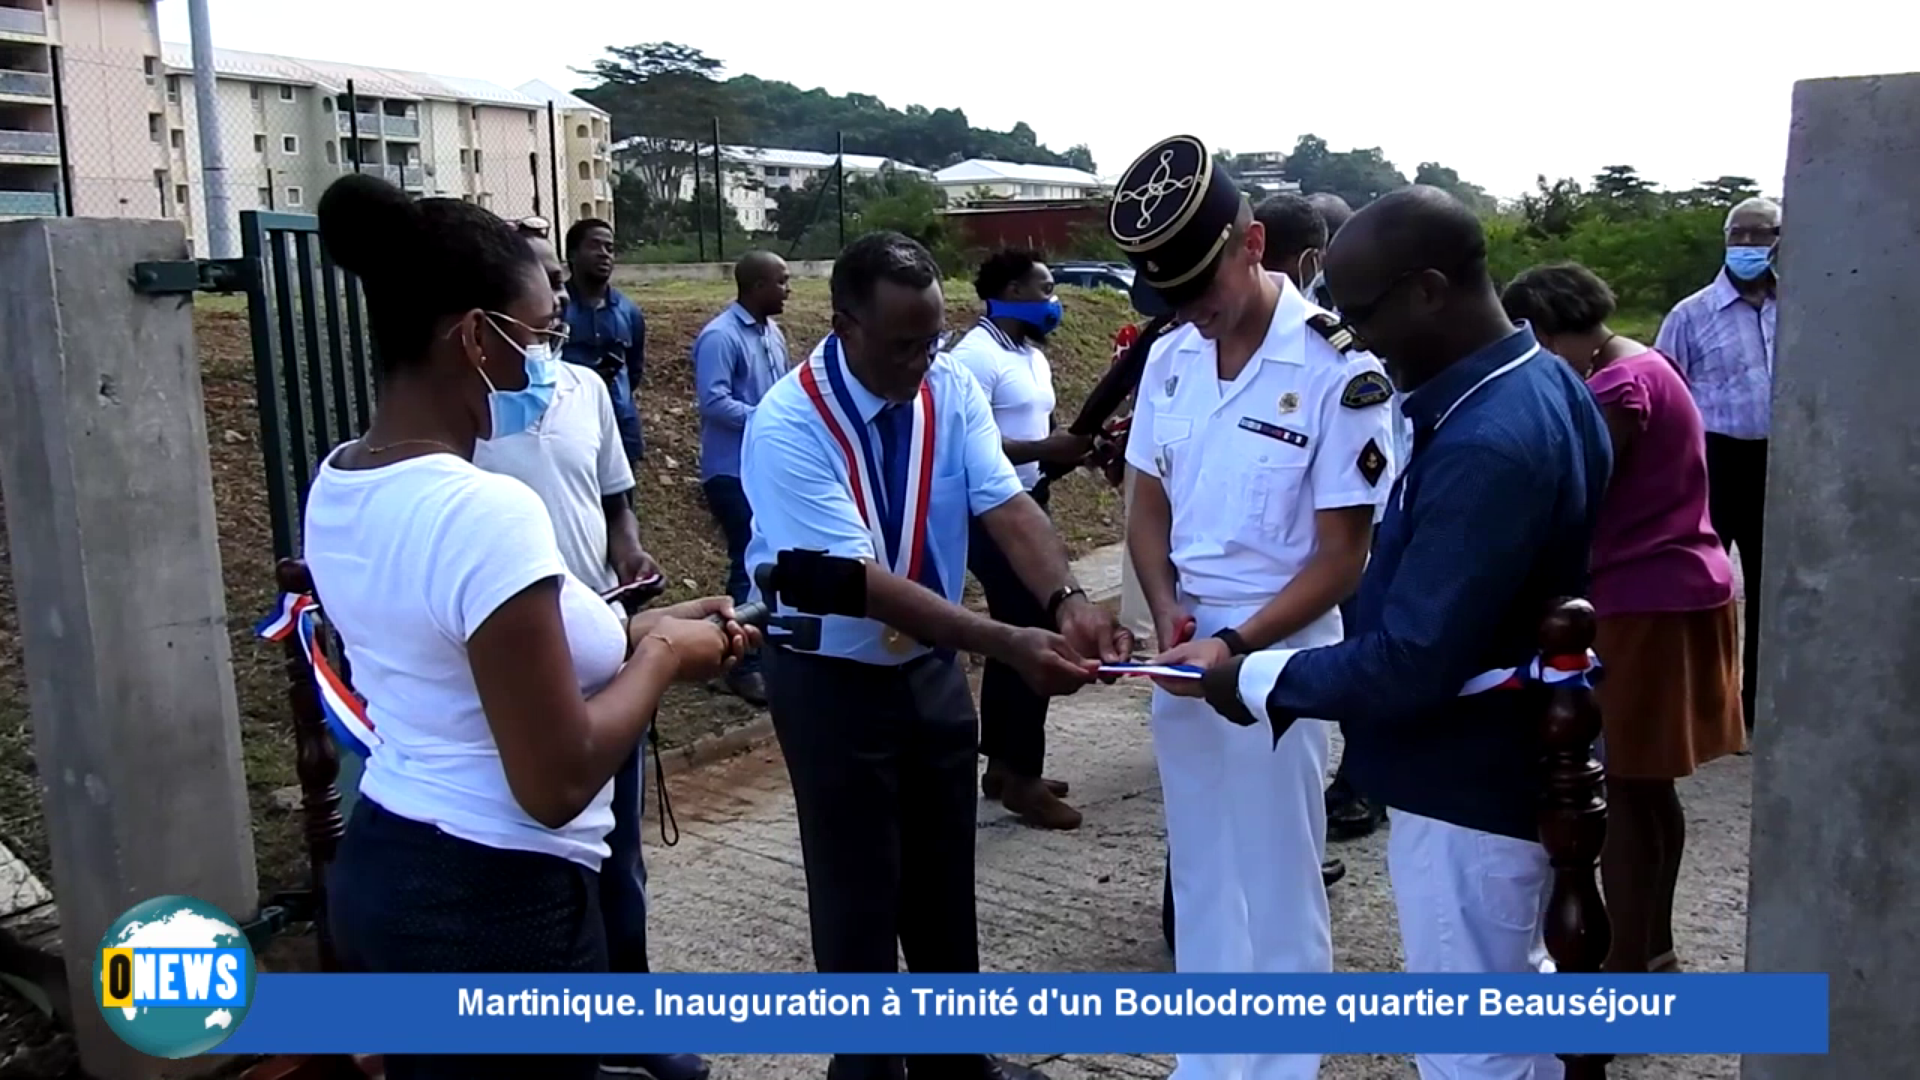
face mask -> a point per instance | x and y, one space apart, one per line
515 412
1749 263
1042 315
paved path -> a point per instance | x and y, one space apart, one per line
731 896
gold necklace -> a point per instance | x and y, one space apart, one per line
372 449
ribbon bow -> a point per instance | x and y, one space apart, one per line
346 716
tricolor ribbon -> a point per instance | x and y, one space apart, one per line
346 716
899 531
1551 670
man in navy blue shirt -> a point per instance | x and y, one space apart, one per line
605 331
1491 521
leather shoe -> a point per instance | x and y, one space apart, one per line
1331 871
748 686
1000 1069
1038 806
993 783
657 1066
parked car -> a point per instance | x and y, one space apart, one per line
1093 275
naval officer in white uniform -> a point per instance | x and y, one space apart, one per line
1261 451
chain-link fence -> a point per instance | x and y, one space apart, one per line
119 133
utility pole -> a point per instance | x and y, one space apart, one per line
213 158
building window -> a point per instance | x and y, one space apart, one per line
333 153
153 126
259 144
580 132
474 114
173 89
286 93
586 210
295 197
466 158
289 144
152 66
264 197
586 171
479 164
178 138
326 104
180 195
253 91
486 200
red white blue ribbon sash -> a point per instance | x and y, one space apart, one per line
899 532
346 716
1551 670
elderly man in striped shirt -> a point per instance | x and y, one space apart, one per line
1722 339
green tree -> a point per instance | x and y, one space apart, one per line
1358 176
664 99
1434 174
1553 209
1722 192
1620 194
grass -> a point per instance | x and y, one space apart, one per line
674 523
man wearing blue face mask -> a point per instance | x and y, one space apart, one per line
1722 340
1003 353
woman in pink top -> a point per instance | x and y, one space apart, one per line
1663 589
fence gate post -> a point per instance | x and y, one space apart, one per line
116 569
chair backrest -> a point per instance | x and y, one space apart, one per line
1573 811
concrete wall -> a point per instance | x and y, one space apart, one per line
1836 836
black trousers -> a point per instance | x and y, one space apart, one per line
727 501
882 764
1013 719
1737 502
404 897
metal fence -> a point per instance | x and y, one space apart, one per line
102 133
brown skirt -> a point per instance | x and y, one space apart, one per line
1670 691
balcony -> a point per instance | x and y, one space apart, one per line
400 127
369 124
406 176
21 21
29 143
31 84
29 204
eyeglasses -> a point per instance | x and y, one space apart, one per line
1753 235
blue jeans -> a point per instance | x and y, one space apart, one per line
623 877
728 503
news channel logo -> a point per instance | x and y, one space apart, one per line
174 977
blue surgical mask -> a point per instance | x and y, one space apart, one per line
1042 315
1748 263
515 412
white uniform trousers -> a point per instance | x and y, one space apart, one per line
1471 902
1247 830
1135 615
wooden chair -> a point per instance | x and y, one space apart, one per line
1573 815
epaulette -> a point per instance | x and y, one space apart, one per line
1335 332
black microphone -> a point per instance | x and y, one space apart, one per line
813 582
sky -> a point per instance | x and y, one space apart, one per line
1500 90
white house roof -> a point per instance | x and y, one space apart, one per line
796 159
984 171
333 77
561 99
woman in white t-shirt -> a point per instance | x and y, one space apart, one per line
503 692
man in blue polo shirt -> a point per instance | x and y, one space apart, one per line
605 331
736 359
1491 520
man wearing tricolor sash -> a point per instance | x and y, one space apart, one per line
878 449
1489 522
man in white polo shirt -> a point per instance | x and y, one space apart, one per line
573 459
1003 353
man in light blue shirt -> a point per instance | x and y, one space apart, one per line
736 359
881 451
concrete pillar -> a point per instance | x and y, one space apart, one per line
109 497
1836 841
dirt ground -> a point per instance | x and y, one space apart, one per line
674 522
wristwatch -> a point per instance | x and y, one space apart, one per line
1061 596
1236 645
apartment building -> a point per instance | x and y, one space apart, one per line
289 126
97 58
980 179
584 134
754 173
